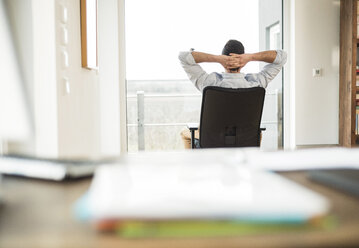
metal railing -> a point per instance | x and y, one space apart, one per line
140 95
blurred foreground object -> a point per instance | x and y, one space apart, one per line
212 192
14 115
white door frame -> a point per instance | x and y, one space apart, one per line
122 76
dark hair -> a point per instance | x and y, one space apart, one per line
233 46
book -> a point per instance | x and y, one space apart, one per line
213 193
200 188
187 229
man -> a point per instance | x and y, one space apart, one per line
233 59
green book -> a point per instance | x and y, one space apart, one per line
173 229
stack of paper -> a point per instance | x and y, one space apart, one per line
173 197
305 159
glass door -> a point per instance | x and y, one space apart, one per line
160 98
270 38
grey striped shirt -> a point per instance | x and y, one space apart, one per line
201 79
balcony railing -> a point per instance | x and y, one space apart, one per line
141 114
140 96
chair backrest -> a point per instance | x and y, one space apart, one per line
231 117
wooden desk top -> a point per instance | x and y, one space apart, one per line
39 214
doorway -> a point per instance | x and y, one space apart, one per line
160 98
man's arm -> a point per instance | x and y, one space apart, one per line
240 60
195 73
200 57
235 60
266 56
225 61
275 60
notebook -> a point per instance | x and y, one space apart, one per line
171 188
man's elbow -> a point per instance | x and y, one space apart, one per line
281 58
182 57
179 55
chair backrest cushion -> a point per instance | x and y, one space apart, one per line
231 117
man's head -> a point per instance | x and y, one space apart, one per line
233 46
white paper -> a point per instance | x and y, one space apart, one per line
305 159
170 189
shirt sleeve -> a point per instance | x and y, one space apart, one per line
195 73
269 71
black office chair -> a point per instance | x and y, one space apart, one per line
230 118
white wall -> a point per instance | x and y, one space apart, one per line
32 24
312 39
13 115
89 114
22 30
109 77
78 110
122 76
44 81
83 122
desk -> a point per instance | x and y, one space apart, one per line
39 214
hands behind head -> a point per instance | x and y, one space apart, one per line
235 61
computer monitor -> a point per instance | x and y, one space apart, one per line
14 111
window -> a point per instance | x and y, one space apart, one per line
274 37
160 98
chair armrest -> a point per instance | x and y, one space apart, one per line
193 126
